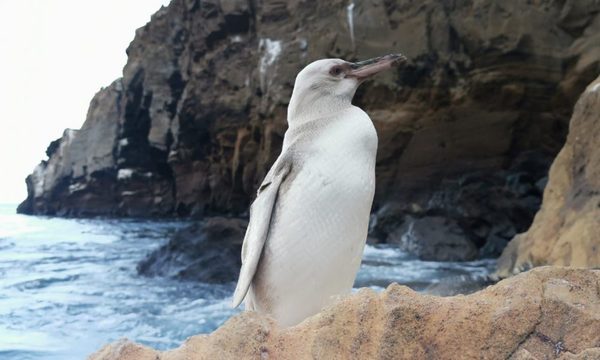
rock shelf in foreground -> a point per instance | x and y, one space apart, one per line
546 313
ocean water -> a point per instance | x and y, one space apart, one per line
69 286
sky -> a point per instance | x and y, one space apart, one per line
54 56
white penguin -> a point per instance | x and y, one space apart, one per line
308 224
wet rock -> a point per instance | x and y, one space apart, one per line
433 238
207 251
566 230
493 246
547 313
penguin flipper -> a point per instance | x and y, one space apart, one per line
257 232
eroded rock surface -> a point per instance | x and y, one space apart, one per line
566 230
546 313
199 115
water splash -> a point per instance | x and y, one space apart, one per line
350 16
124 174
384 264
69 286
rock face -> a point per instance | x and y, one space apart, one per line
199 114
566 230
208 251
479 210
547 313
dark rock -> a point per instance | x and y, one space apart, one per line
541 184
487 210
207 251
199 115
385 220
434 238
493 246
51 149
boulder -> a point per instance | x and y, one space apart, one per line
434 238
566 230
546 313
207 251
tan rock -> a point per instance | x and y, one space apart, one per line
566 230
546 313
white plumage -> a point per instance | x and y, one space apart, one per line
308 224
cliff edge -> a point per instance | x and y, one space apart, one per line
466 131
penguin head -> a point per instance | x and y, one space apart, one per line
332 82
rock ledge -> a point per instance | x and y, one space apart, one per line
546 313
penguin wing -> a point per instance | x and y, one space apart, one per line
261 213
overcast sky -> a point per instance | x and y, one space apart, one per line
54 56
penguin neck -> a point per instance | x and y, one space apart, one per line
315 112
308 106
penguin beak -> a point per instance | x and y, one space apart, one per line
365 69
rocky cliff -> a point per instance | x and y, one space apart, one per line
566 230
467 130
547 313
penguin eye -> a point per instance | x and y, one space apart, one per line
335 71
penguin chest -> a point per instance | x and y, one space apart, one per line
322 219
319 225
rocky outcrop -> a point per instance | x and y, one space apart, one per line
80 173
474 215
566 230
199 114
208 251
547 313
